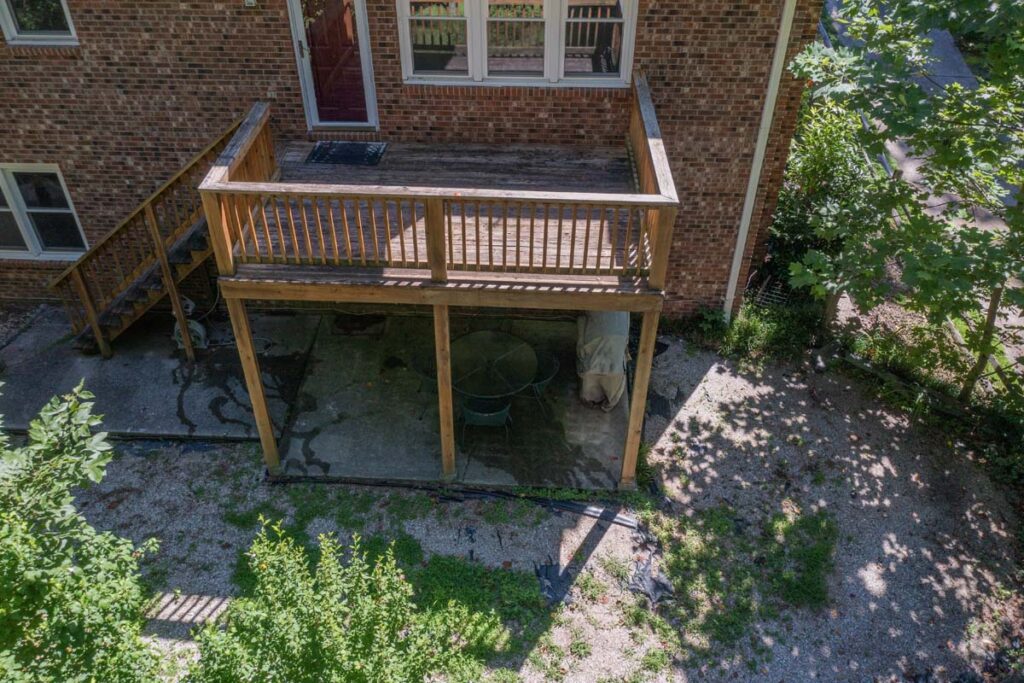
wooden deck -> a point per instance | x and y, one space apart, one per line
447 225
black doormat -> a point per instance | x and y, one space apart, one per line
349 153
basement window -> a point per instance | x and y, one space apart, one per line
576 43
37 22
37 220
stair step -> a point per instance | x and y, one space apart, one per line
148 288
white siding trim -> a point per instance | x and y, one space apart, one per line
763 134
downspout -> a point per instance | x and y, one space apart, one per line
767 116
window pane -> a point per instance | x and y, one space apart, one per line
10 236
515 47
595 9
39 16
419 9
515 37
57 230
41 190
592 48
439 46
3 200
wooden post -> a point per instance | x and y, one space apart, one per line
217 226
662 246
638 400
90 312
172 286
253 381
435 240
442 345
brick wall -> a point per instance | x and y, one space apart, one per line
154 82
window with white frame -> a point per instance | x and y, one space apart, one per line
574 42
36 216
39 22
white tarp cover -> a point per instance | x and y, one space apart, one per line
601 356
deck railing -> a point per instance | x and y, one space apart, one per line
103 273
256 219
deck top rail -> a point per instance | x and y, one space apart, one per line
256 218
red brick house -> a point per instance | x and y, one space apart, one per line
103 102
136 89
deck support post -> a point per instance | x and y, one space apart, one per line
170 284
254 382
216 226
90 312
638 400
435 240
442 346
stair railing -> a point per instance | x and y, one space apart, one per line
93 283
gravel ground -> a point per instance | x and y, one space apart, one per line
924 578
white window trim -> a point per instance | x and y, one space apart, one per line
17 205
11 35
554 63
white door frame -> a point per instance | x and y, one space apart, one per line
303 61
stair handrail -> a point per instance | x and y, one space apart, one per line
74 281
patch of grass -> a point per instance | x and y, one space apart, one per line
517 511
408 550
352 507
579 647
616 568
800 557
549 658
403 508
655 660
590 587
249 518
726 578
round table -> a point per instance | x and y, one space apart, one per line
491 364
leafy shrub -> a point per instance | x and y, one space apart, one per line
72 604
762 332
825 165
342 621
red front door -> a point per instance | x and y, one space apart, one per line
335 60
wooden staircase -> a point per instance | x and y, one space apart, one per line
142 260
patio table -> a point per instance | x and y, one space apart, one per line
491 364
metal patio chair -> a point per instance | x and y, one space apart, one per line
547 369
486 412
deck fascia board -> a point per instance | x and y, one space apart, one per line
415 287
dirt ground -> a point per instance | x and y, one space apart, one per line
924 585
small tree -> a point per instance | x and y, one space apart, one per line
344 621
71 605
971 139
826 199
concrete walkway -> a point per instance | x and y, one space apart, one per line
147 388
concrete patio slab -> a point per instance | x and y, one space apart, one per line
365 413
353 400
148 388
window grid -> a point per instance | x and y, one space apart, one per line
14 205
607 30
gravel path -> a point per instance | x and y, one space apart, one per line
924 564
